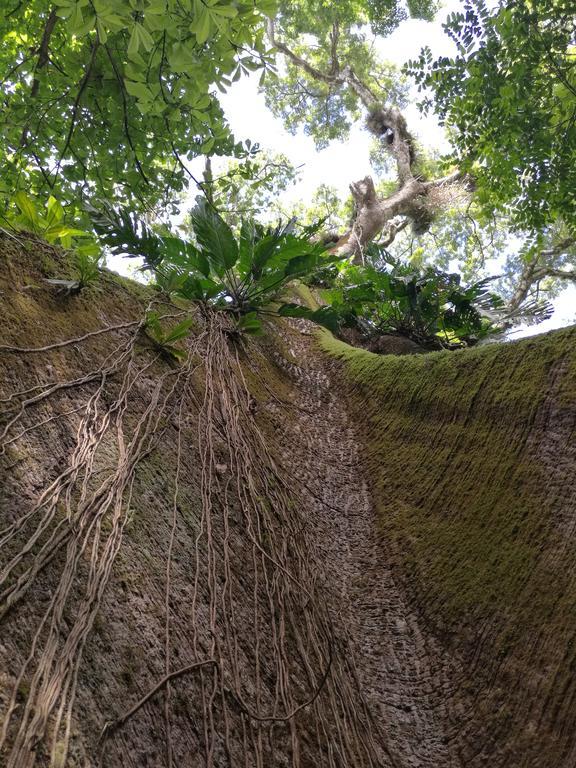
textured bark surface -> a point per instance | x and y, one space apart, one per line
471 460
413 578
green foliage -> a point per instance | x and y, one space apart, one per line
252 187
163 340
332 37
324 111
111 97
55 225
429 306
509 97
48 222
315 17
237 274
87 266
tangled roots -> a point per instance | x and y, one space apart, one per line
269 678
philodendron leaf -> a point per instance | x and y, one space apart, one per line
199 289
214 236
179 331
301 265
175 352
30 215
246 246
185 255
250 323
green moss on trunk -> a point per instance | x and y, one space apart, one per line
471 460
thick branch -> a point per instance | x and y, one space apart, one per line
372 214
298 60
444 181
388 123
364 93
334 36
44 50
534 271
334 77
525 282
562 246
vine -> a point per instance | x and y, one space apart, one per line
295 676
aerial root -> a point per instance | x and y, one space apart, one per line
246 499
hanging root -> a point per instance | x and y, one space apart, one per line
268 675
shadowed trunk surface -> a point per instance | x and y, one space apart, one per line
284 552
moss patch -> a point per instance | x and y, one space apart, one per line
456 483
471 459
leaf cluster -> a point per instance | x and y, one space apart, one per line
509 98
432 307
54 224
241 275
165 341
113 97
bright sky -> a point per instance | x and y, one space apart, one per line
345 162
341 162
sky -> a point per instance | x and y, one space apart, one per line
344 162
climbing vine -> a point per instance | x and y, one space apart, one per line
297 667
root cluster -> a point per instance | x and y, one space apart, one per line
269 679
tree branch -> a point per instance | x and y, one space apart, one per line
387 123
298 60
534 271
44 50
561 274
392 230
75 106
334 37
43 59
452 178
372 214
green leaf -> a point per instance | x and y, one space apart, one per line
139 37
134 42
199 289
28 209
225 10
54 211
214 236
250 323
179 331
246 246
301 265
140 90
201 26
175 352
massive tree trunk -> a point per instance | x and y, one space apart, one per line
282 552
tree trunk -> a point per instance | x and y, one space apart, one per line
279 553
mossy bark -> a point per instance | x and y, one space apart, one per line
431 514
472 459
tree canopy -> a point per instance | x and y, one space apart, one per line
107 100
110 98
509 98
